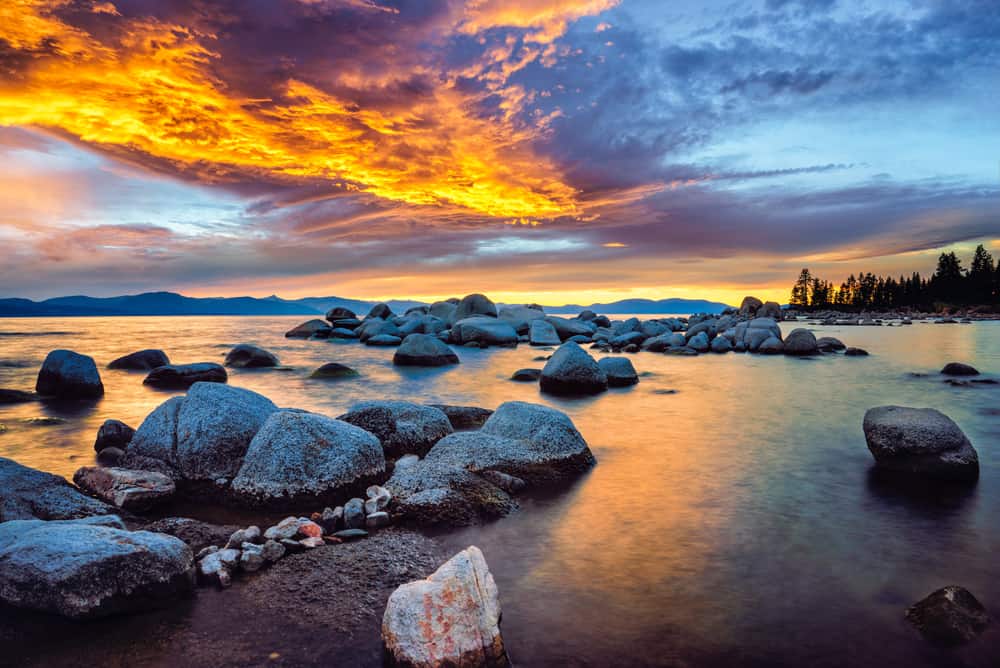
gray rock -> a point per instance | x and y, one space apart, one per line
110 456
286 528
567 327
351 534
340 313
856 352
272 550
180 376
377 520
921 441
526 375
334 371
770 310
749 306
829 344
91 567
959 369
484 330
342 333
142 360
433 494
443 310
572 371
949 616
450 619
354 514
721 344
217 567
127 489
542 333
307 329
252 557
383 340
473 305
520 317
299 458
800 342
69 375
331 519
464 417
197 534
247 356
508 483
380 310
619 371
401 426
771 346
424 350
113 434
699 342
624 339
27 494
530 441
251 534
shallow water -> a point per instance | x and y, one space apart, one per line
734 522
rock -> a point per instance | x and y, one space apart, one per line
443 310
721 344
251 534
252 557
340 313
566 327
27 494
542 333
286 528
377 520
125 488
307 329
16 397
699 342
434 494
309 529
91 567
508 483
424 350
526 375
572 371
197 534
351 534
299 458
201 436
272 550
521 317
402 427
334 370
829 344
484 331
380 495
530 441
770 310
110 456
246 356
180 376
800 342
619 371
217 567
142 360
749 306
342 333
69 375
959 369
450 619
464 417
331 519
380 310
113 434
387 340
312 542
474 305
949 616
920 441
771 346
623 340
856 352
354 514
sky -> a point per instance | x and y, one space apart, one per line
547 151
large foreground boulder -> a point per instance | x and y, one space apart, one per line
403 428
248 356
424 350
450 619
949 616
27 494
91 567
125 488
436 494
300 458
201 436
69 375
142 360
181 376
572 371
920 441
533 442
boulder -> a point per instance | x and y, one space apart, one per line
800 342
424 350
699 342
340 313
623 340
474 305
377 327
342 333
125 488
619 371
921 441
485 331
16 397
354 514
69 375
828 344
27 494
526 375
464 417
949 616
180 376
533 442
197 534
402 427
770 310
380 311
572 371
307 329
113 434
450 619
749 307
246 356
856 352
542 333
383 340
443 310
721 344
333 370
569 327
520 317
143 360
91 567
299 458
771 346
110 456
201 436
959 369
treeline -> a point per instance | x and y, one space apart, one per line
950 285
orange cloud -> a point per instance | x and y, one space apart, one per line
548 18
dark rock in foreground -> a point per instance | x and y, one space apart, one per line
180 376
246 356
949 616
27 494
69 375
142 360
127 489
464 417
572 371
91 567
197 534
920 441
424 350
113 434
959 369
440 494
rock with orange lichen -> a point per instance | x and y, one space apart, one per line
450 619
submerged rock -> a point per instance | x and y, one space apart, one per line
949 616
127 489
959 369
829 344
571 370
856 352
452 618
16 397
113 434
27 494
91 567
334 370
180 376
247 356
401 426
424 350
69 375
526 375
142 360
920 441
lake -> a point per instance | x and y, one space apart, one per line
733 517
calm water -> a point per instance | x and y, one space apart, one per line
734 522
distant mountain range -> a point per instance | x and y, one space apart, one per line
170 303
